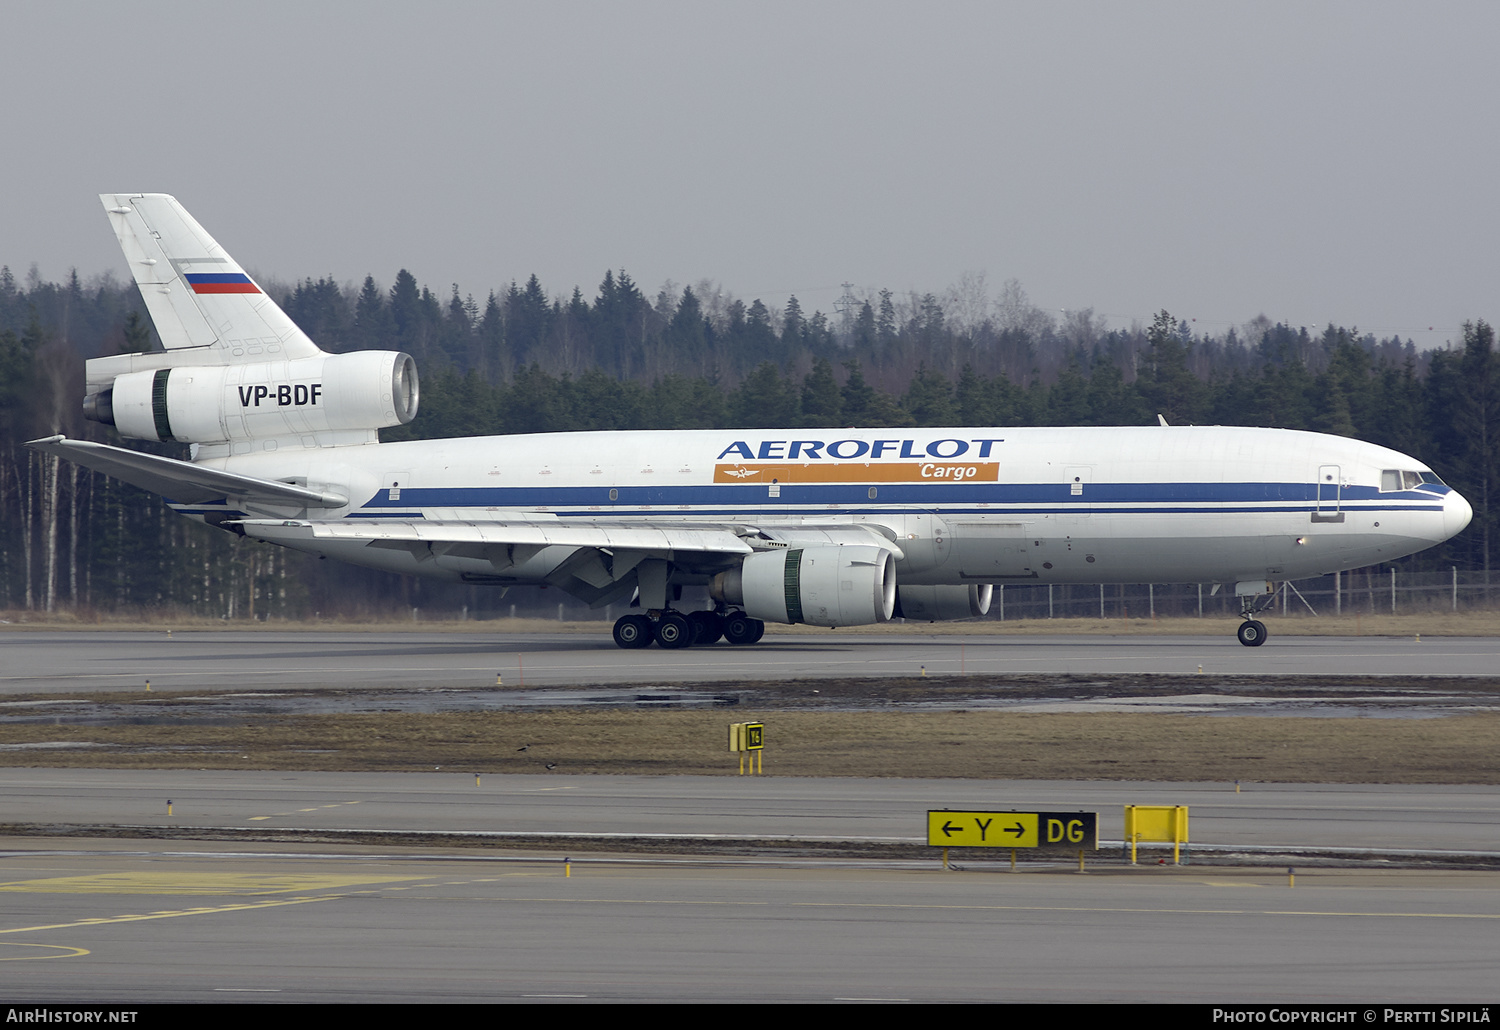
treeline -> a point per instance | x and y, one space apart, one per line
691 357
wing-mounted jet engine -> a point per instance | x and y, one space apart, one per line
942 603
848 585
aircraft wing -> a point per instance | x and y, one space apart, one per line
182 481
474 539
465 538
594 562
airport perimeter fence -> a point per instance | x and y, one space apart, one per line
1370 591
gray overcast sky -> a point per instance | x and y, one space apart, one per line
1314 162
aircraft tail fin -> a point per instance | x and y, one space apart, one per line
236 373
198 296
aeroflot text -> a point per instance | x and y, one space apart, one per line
844 450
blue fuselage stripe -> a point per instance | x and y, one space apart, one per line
1097 498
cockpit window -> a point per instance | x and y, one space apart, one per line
1393 480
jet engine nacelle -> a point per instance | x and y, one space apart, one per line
361 390
937 603
852 585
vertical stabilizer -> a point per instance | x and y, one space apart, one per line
198 296
236 373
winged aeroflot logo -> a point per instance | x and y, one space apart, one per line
741 473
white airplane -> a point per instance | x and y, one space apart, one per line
829 527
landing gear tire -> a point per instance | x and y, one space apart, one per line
1252 633
674 632
739 628
633 631
708 627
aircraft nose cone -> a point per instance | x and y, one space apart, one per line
1457 513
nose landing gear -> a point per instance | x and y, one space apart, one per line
1252 631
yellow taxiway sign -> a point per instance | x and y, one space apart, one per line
949 829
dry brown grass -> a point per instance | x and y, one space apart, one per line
974 744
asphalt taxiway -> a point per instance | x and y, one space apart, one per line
290 911
208 925
189 660
1453 819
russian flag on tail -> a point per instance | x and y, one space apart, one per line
221 282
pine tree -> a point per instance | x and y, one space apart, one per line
820 396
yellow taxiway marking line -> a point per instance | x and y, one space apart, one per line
190 883
104 920
200 910
70 952
315 808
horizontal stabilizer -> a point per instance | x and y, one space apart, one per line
182 481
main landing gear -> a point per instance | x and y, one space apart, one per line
673 630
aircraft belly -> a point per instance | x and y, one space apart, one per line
1002 550
356 553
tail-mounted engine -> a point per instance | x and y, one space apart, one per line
296 399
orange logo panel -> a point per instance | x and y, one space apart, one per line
862 472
